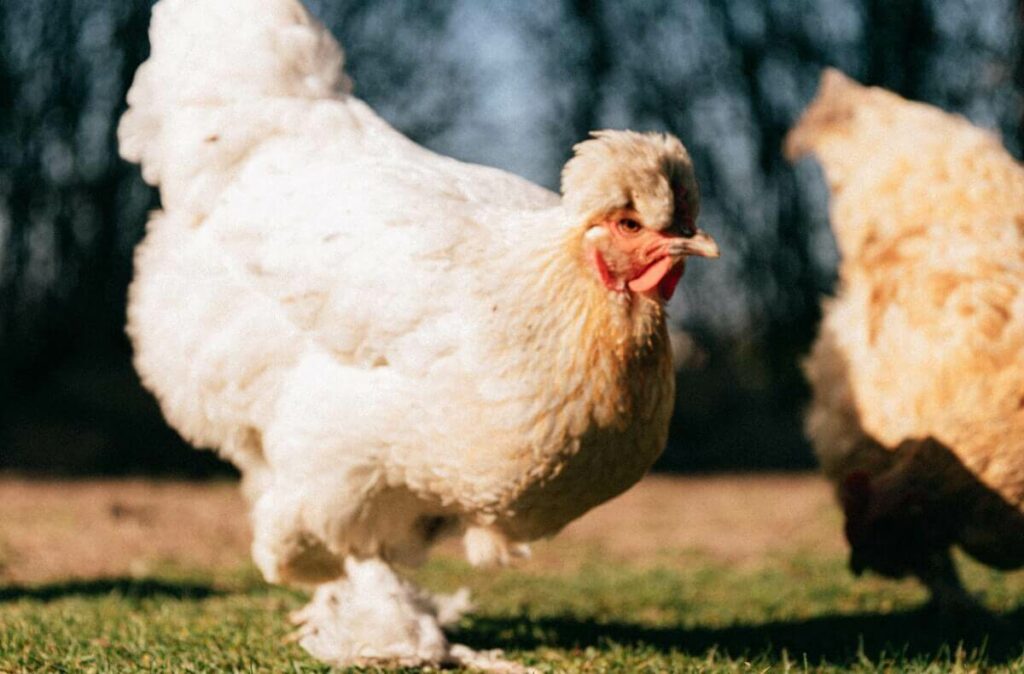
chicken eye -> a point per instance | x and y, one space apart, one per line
629 226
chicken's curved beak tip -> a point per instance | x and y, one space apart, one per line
699 245
708 247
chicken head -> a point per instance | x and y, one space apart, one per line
638 197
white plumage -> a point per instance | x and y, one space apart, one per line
389 344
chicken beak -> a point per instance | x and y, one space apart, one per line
700 244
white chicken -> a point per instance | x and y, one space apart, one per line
390 344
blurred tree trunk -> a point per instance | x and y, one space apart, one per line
899 40
395 53
598 55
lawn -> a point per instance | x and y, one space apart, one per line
714 575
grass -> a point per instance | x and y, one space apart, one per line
685 613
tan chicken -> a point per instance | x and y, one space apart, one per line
918 371
391 345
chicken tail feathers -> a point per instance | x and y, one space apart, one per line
220 78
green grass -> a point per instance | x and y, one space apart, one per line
799 614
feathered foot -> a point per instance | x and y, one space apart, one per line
373 617
485 661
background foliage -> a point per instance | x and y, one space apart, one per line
506 84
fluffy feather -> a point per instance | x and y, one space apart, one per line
918 376
390 344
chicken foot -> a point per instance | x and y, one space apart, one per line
370 616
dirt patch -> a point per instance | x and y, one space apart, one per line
86 529
736 519
73 529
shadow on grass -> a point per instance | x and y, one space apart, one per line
841 639
125 587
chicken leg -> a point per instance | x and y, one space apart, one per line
948 595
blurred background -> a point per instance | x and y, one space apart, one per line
509 84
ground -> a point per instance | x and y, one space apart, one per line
712 574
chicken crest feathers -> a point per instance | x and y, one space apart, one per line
627 169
